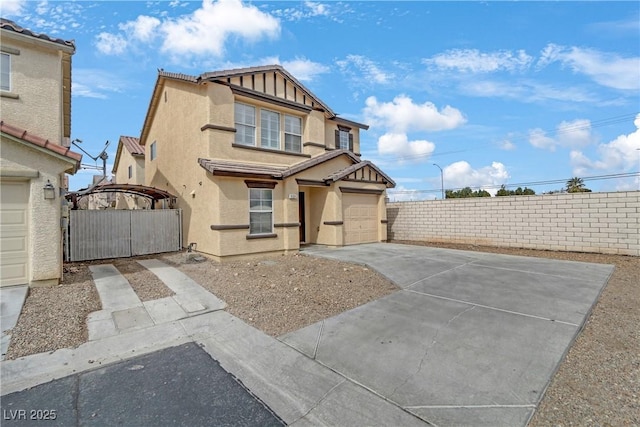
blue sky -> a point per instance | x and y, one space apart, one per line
492 92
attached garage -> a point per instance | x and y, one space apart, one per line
31 174
360 216
14 233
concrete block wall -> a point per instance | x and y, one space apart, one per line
582 222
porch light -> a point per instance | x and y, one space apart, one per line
49 191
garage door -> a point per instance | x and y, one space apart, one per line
14 233
360 218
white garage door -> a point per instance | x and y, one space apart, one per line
14 233
360 218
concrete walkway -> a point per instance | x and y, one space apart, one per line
11 301
122 310
471 339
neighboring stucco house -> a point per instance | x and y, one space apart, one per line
35 103
128 168
260 164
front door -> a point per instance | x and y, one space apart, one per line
301 215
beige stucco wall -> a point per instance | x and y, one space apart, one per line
35 100
137 164
45 233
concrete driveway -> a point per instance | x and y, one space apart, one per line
471 339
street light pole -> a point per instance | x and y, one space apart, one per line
441 180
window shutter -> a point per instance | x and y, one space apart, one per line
350 142
337 141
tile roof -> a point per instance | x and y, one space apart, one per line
132 144
42 143
9 25
177 76
224 167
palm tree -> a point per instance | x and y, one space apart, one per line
576 185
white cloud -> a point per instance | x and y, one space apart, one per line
507 145
461 174
366 69
604 68
304 69
111 44
309 9
144 28
95 83
618 155
574 134
399 146
403 115
11 7
204 32
474 61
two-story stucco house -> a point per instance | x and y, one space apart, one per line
260 164
128 168
35 103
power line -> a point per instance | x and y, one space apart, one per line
568 129
523 184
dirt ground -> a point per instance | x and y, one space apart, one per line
598 383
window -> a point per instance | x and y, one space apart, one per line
5 72
260 211
245 119
292 134
130 171
153 153
343 140
269 129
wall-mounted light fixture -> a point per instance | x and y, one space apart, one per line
49 191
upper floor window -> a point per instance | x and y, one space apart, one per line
130 171
292 134
343 140
5 72
245 120
269 129
153 153
275 130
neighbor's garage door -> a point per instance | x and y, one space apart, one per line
360 218
14 233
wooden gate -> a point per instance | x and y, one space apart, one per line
100 234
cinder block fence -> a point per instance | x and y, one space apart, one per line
582 222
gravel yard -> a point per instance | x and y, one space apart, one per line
598 383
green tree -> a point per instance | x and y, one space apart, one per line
464 193
517 192
576 185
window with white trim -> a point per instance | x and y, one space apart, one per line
5 72
153 153
245 120
260 211
344 140
269 129
292 133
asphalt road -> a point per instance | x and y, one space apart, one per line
177 386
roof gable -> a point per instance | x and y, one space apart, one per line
362 172
131 144
43 145
270 80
